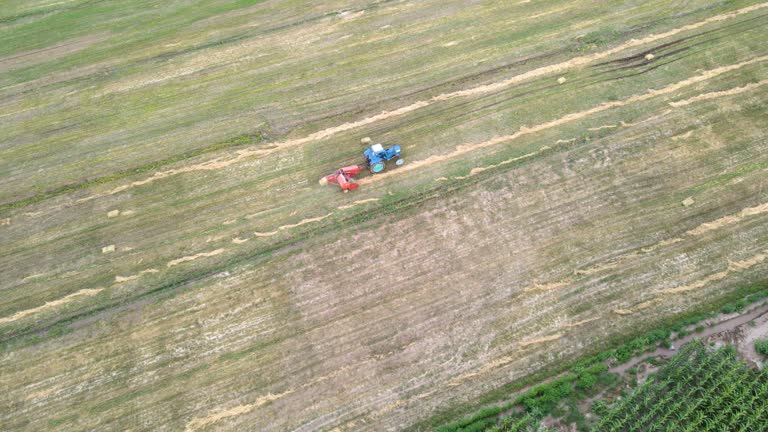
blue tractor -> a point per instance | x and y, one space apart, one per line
376 155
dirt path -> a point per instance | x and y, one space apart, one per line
751 334
725 325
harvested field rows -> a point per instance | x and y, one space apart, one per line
574 172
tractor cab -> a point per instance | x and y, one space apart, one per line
376 156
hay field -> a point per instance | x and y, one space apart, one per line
575 172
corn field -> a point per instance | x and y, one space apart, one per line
698 390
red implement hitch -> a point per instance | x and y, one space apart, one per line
343 178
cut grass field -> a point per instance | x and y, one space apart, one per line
169 261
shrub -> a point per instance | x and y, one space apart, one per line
658 335
736 306
586 381
479 426
761 346
607 379
629 349
486 417
599 408
545 397
597 369
600 37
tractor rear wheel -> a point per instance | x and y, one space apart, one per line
377 167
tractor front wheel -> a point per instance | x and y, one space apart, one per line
377 167
399 162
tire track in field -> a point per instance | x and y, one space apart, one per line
719 94
222 162
477 170
701 229
194 257
733 267
356 203
728 220
91 292
536 287
522 344
581 61
568 118
582 322
220 414
290 226
280 395
51 304
542 339
644 67
615 262
509 358
122 279
201 422
238 241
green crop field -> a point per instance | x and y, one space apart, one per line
576 173
698 390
